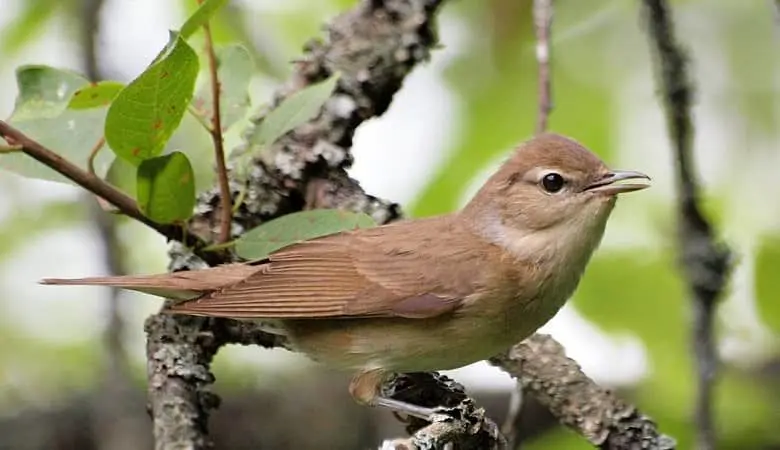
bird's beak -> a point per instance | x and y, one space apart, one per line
612 182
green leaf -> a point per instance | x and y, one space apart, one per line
44 92
121 174
165 188
234 72
41 113
72 135
289 229
146 113
95 95
294 111
768 282
201 16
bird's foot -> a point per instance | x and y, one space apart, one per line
421 412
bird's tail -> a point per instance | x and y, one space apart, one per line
185 285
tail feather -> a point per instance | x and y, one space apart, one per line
184 285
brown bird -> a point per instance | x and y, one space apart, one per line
427 294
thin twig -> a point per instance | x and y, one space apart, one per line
543 16
226 213
705 262
93 154
97 186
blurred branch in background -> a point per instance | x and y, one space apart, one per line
776 4
542 19
706 262
112 427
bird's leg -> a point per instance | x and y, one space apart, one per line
365 388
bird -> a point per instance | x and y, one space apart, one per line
422 294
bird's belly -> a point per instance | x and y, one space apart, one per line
407 345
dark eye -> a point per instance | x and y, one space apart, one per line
552 182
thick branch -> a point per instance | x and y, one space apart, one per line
706 262
541 366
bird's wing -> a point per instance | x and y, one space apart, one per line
400 270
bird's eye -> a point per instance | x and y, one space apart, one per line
552 182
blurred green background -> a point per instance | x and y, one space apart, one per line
66 372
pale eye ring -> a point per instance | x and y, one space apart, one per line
552 182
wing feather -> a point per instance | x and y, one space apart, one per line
361 273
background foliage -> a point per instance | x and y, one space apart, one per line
453 122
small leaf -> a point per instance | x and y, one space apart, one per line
235 73
145 114
200 17
41 113
294 111
768 282
289 229
165 188
44 92
95 95
121 174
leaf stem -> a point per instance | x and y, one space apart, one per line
93 154
226 199
199 117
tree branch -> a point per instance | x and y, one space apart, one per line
541 366
705 262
